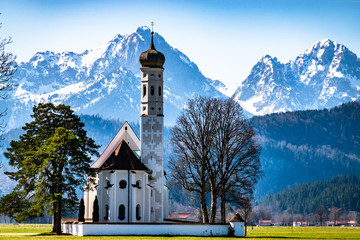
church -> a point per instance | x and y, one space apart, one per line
130 178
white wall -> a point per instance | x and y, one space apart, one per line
147 229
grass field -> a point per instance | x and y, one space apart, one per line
42 231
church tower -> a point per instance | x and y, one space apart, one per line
152 126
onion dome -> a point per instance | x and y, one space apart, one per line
152 58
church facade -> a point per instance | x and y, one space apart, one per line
130 179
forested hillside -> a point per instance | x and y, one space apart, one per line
297 147
307 146
342 192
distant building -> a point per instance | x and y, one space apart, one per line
265 223
189 217
130 180
350 223
300 223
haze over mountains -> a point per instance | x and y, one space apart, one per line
105 80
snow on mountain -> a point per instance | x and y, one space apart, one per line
104 81
325 75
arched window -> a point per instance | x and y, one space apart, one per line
122 184
138 212
106 216
138 184
144 90
159 91
152 90
121 212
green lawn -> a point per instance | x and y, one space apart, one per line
262 233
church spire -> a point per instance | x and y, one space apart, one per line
152 58
152 46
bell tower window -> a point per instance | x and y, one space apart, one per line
121 212
106 216
138 212
159 91
144 90
152 90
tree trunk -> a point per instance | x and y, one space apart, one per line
54 217
213 206
58 219
222 210
204 211
245 228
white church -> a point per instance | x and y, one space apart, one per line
130 180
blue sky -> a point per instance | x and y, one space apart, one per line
224 38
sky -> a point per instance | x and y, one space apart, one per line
225 38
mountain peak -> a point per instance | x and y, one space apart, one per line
323 45
267 59
143 29
117 38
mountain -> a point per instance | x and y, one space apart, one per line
307 146
324 76
104 80
340 191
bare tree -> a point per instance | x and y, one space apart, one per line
192 139
215 151
334 214
320 214
235 166
7 70
245 208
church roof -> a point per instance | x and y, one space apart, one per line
123 158
127 134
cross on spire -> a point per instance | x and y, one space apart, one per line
152 27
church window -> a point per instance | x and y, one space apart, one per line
144 90
106 216
159 91
144 108
152 90
144 75
159 109
159 75
152 75
122 184
138 184
152 108
138 212
121 212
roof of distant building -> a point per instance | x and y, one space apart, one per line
237 218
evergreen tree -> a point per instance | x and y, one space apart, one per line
51 159
96 210
81 211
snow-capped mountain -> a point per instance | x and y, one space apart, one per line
104 81
325 75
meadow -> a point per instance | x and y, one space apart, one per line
42 231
